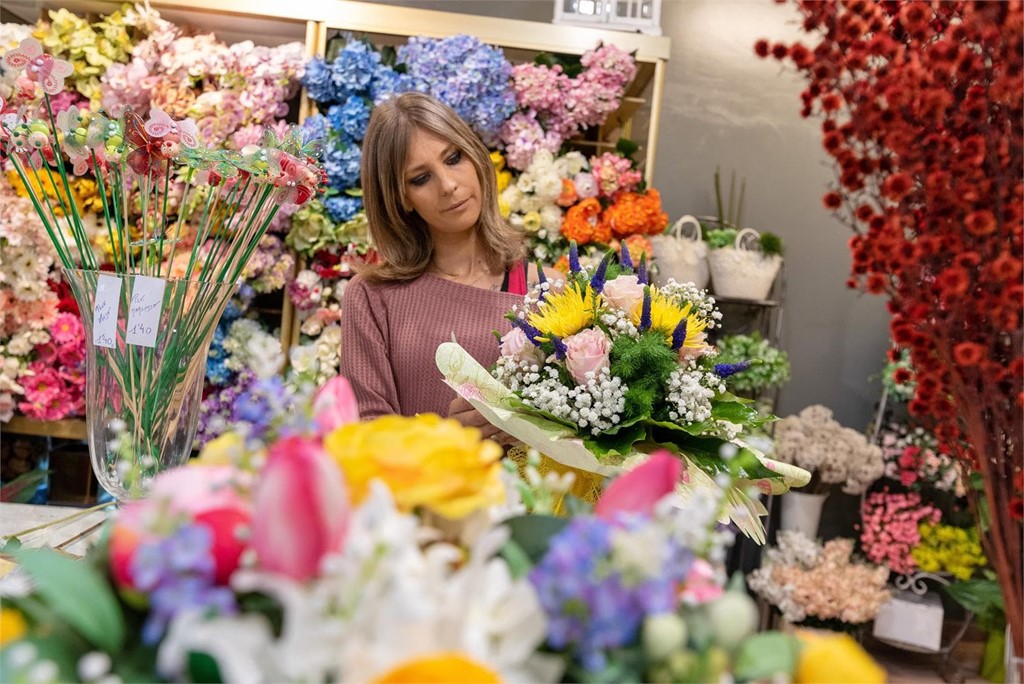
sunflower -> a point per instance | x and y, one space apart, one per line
666 313
567 312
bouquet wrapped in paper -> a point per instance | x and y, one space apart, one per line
604 368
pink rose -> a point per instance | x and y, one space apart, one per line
586 352
701 586
624 293
517 345
301 509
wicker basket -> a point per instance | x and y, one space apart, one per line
742 271
681 254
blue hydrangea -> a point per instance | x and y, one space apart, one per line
315 127
592 607
216 369
387 82
342 165
350 119
343 208
472 78
352 70
317 80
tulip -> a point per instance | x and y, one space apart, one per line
335 405
301 509
641 488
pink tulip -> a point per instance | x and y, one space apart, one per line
335 405
300 510
586 352
641 488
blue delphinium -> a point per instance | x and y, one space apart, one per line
178 573
343 208
595 598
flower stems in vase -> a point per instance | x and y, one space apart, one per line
150 313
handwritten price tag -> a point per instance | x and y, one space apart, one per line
104 306
144 314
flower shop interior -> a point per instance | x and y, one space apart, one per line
766 424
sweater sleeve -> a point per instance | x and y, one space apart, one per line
364 351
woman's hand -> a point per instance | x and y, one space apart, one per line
462 411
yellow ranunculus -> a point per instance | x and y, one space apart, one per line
439 669
12 625
425 461
532 222
830 657
503 179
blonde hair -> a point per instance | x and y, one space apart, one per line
400 235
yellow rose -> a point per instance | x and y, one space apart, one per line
439 669
225 450
12 625
425 461
827 657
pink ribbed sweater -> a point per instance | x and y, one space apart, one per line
389 333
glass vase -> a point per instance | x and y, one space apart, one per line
143 395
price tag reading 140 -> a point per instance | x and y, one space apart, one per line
104 325
144 313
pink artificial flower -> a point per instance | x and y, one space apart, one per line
587 352
638 490
38 66
301 509
624 293
335 405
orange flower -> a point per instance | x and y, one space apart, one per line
568 196
638 245
582 224
437 669
636 214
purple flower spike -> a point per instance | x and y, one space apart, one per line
541 278
560 349
574 258
641 272
724 370
625 259
531 333
645 312
679 336
597 282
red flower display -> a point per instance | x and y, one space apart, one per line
923 115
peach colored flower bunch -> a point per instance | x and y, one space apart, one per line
804 579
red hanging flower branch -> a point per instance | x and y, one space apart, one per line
922 112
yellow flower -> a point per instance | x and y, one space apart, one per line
498 159
425 461
228 449
666 313
531 222
830 657
504 178
567 312
12 625
503 208
439 669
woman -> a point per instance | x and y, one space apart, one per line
451 266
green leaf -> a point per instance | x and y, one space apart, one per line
984 598
78 593
533 533
626 147
518 562
23 487
735 412
765 655
619 444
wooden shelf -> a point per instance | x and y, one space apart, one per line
62 429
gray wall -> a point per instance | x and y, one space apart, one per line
725 107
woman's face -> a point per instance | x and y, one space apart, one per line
441 185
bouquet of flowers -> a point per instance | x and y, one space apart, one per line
815 441
820 585
605 366
898 375
891 528
912 457
308 546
